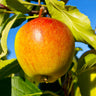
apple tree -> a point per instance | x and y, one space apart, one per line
79 80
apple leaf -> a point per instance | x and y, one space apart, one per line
86 71
21 88
5 30
78 23
75 60
20 19
3 18
87 81
87 61
8 67
77 92
19 6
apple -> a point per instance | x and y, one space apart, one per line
44 48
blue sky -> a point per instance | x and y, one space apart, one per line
87 7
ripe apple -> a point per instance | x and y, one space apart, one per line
44 48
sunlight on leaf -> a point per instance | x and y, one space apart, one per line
77 92
87 82
5 35
21 88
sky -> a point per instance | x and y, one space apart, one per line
87 7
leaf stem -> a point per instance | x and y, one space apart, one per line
40 93
10 12
28 17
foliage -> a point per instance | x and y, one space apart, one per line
81 75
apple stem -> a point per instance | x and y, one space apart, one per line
39 2
41 10
46 79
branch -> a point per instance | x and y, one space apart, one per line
37 12
9 11
65 1
33 12
4 7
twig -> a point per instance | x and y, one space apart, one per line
4 7
37 12
33 12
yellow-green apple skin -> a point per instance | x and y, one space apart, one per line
44 48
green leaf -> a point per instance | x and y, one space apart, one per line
87 73
8 67
87 83
87 76
23 88
3 18
77 92
78 23
2 2
87 61
75 64
19 6
21 18
5 30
